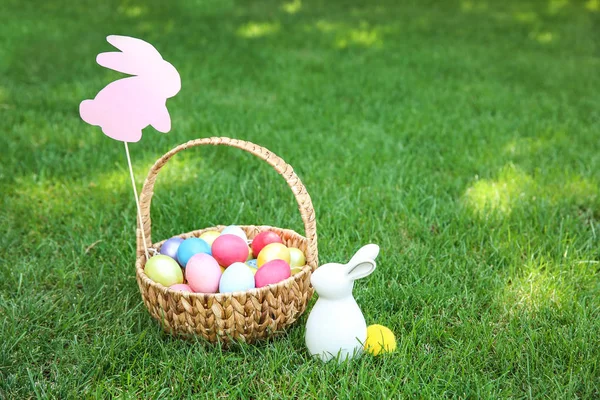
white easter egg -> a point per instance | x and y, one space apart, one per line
235 230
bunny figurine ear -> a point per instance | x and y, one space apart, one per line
136 55
367 252
363 262
360 269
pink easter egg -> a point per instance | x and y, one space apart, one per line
181 287
203 273
272 272
228 249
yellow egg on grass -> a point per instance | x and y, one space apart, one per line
380 340
210 236
273 251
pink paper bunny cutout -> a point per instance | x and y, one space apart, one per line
125 107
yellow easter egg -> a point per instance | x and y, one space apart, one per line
210 236
297 258
273 251
222 269
380 340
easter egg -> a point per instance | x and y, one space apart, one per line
235 230
273 251
264 238
272 272
203 273
189 247
169 248
297 258
379 340
164 270
210 236
237 278
252 265
228 249
295 270
181 287
223 269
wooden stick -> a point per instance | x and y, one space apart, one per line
137 202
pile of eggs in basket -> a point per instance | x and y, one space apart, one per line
223 262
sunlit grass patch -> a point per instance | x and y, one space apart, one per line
499 195
292 7
326 26
539 285
254 29
344 35
593 5
543 37
364 36
473 6
132 10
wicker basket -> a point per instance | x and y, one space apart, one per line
241 316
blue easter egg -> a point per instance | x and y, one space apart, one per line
189 247
169 248
252 263
237 278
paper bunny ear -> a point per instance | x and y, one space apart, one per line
136 55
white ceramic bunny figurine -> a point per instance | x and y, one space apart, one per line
336 327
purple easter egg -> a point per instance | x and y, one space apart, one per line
169 248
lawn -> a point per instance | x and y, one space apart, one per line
460 136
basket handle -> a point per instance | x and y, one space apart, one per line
305 206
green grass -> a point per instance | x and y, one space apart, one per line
462 137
